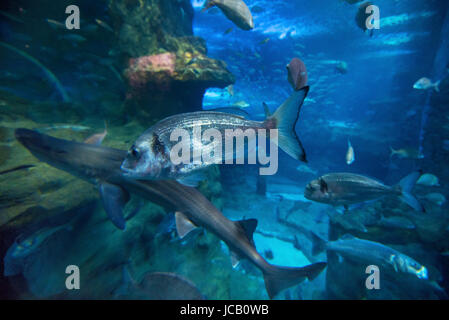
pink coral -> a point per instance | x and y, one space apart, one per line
157 69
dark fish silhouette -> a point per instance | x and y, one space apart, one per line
362 16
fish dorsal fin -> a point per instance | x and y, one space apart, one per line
193 179
183 225
347 236
323 186
97 138
232 110
249 226
114 199
235 259
266 110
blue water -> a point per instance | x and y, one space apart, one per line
372 104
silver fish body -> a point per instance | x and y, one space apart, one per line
375 253
236 11
153 148
342 189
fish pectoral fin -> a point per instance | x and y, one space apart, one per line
114 199
183 225
248 226
235 259
193 179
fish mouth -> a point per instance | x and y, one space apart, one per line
129 172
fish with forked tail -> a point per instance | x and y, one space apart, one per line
150 156
101 165
345 189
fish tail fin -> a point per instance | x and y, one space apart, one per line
280 278
392 152
285 119
209 4
406 185
349 143
437 86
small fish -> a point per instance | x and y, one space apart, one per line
429 180
306 169
257 9
228 31
235 10
436 198
407 153
265 41
97 139
104 25
297 74
362 16
342 67
241 104
345 189
56 24
425 84
149 157
350 155
364 251
269 254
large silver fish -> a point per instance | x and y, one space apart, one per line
150 156
375 253
101 166
235 10
345 189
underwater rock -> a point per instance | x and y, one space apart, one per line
167 69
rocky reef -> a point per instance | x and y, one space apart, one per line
163 70
167 68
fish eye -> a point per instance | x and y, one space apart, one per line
134 151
